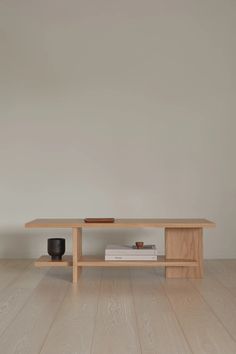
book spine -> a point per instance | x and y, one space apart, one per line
130 258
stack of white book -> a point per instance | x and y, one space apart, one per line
130 253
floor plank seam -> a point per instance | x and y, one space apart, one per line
175 314
20 310
213 311
213 297
228 288
216 279
55 316
95 320
19 275
135 313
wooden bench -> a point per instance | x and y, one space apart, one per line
183 245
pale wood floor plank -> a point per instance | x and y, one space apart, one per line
203 330
224 271
124 312
159 330
73 328
116 329
10 269
26 333
15 295
219 298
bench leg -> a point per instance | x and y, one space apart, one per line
185 243
77 252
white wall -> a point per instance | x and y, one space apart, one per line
117 108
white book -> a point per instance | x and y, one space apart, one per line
130 258
148 250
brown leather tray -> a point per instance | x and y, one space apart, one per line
99 220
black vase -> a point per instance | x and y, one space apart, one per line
56 248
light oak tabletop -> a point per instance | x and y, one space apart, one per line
120 223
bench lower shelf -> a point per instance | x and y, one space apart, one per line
95 261
46 261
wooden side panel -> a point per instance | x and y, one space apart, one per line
184 244
77 252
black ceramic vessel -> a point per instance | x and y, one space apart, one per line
56 248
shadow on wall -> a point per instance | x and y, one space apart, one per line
17 242
14 243
95 241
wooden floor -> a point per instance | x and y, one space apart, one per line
116 311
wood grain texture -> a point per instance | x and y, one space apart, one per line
202 329
14 296
73 328
221 301
10 270
25 335
125 311
158 328
77 252
120 223
184 244
116 328
225 272
183 239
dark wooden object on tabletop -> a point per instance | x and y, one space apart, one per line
101 220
